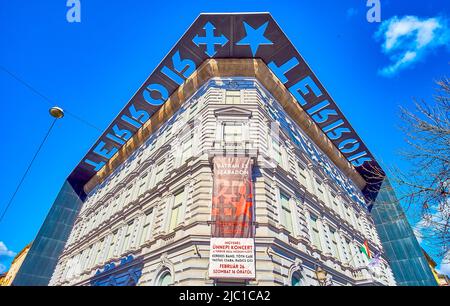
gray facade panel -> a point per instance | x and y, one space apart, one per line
405 255
43 256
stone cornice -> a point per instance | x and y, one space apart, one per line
229 68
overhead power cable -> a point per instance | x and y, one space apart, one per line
57 113
10 201
45 98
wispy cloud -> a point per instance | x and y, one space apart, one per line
5 255
409 39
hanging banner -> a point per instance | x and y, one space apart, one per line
232 253
232 203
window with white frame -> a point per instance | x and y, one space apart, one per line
320 190
127 239
277 151
233 97
359 225
86 259
335 203
168 132
297 279
286 213
347 213
116 204
112 244
159 172
98 256
347 251
186 149
146 226
128 193
232 132
165 279
334 244
142 182
315 232
175 213
302 174
193 108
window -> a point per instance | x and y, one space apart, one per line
232 132
99 251
86 260
286 215
165 279
296 279
146 226
302 174
315 232
186 150
142 182
347 212
112 245
233 97
159 172
334 245
360 227
276 147
127 239
128 194
193 108
175 215
335 204
116 204
348 259
320 193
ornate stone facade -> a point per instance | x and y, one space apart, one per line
154 210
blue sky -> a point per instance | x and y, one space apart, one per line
92 68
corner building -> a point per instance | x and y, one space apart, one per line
141 207
156 207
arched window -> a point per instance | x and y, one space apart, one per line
165 279
296 279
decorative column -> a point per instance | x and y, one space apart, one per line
310 178
326 192
340 245
353 255
302 217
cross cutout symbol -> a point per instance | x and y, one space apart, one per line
210 40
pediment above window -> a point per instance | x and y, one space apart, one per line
232 111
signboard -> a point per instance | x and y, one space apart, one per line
232 228
248 35
232 258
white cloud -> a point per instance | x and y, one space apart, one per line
4 252
409 39
5 257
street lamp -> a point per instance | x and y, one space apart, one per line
322 277
56 112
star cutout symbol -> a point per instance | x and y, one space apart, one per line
255 37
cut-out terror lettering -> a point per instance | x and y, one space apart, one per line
228 36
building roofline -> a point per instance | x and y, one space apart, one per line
228 68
